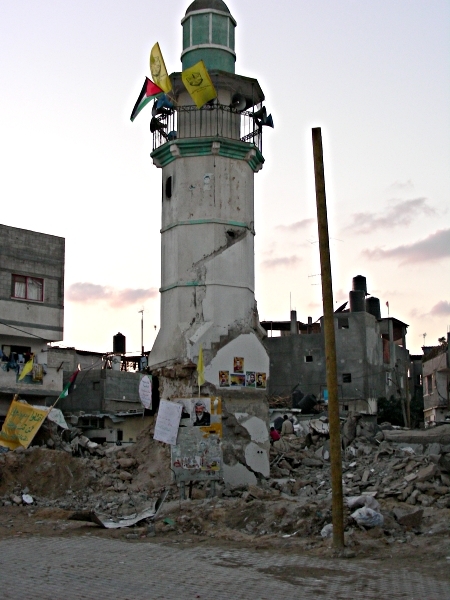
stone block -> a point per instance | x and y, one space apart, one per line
409 519
427 473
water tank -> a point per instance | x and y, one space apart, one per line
373 307
359 284
119 343
357 300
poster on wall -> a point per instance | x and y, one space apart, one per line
261 380
224 378
250 379
237 379
167 422
145 391
238 364
198 452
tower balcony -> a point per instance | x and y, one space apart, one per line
210 121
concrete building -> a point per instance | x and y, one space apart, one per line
31 313
105 402
372 358
436 383
208 159
207 272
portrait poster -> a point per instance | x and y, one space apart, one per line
250 379
198 452
238 364
224 378
237 379
261 380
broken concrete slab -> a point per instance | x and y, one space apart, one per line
427 473
409 519
440 435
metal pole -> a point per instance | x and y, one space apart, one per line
330 343
142 331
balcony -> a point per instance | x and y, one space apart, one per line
215 120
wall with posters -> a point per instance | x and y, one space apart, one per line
243 362
197 454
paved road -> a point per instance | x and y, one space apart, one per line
94 568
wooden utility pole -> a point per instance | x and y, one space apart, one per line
330 343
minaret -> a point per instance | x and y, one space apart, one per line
208 158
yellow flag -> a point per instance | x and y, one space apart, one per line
158 69
27 368
199 85
200 367
21 425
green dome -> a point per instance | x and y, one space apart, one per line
208 4
208 35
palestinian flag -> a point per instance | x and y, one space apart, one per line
69 386
149 91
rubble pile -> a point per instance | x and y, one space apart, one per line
394 490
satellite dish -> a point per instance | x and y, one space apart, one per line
238 102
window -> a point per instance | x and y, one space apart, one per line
169 187
429 384
343 323
346 377
27 288
308 358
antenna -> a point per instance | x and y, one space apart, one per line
424 336
142 330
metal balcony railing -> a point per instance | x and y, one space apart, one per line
217 120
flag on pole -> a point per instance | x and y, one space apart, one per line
158 69
199 85
200 367
69 386
27 368
148 92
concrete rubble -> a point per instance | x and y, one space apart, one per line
404 486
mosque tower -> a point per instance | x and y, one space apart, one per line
208 158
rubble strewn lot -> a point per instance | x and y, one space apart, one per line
408 483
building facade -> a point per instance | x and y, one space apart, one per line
436 383
372 358
31 313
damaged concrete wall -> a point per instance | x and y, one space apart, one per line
300 359
245 438
207 281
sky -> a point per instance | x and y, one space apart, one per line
373 75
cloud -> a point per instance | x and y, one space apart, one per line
403 212
432 248
442 308
399 185
284 261
294 227
84 292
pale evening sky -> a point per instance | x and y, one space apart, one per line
373 75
